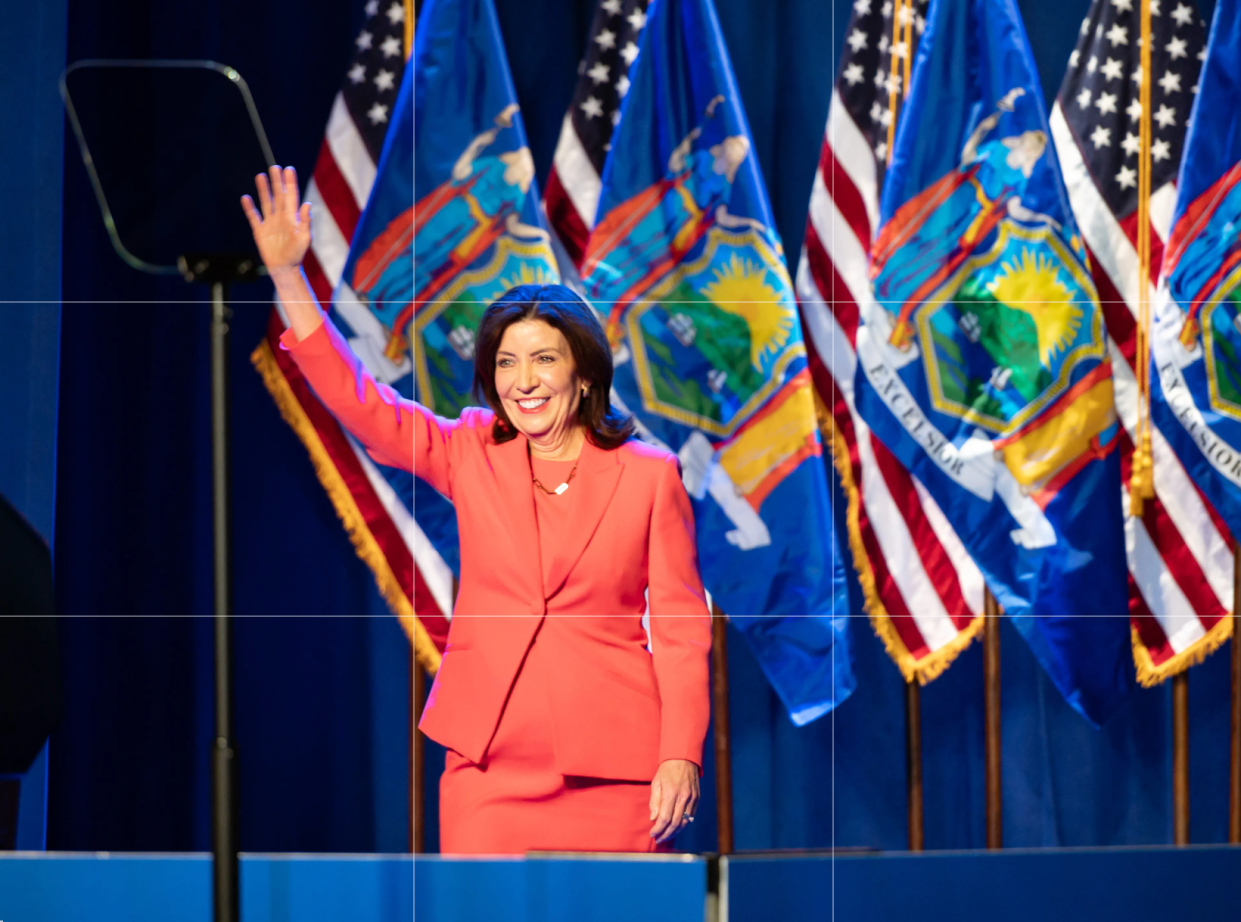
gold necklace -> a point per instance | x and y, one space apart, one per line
560 489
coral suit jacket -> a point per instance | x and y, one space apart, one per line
617 710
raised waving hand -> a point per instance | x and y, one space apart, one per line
281 223
281 228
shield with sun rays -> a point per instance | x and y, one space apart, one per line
1202 266
701 313
1014 345
1000 304
701 300
1003 337
711 341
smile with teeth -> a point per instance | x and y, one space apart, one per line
532 403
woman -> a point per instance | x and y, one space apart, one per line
563 732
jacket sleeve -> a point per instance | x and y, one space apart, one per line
680 622
395 431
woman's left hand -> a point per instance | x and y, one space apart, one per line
674 798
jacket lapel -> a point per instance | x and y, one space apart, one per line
590 493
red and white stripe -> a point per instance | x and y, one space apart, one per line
343 176
924 594
1180 552
571 197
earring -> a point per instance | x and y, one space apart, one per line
585 391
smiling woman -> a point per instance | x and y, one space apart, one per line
567 728
544 366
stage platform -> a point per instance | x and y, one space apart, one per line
1044 885
561 888
103 887
1201 883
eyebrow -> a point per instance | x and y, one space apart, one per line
535 352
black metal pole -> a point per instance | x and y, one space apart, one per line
224 839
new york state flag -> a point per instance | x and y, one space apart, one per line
688 271
1196 336
982 359
478 229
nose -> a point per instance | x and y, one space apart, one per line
527 380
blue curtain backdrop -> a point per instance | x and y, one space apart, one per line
32 42
320 700
322 668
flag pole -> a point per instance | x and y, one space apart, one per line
913 699
417 760
1141 479
991 719
1234 775
1180 758
1141 482
723 741
913 762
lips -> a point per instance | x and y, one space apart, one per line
532 404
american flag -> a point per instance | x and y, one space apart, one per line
410 574
572 193
1180 552
923 593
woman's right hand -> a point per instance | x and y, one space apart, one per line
281 223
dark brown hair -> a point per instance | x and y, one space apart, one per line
564 309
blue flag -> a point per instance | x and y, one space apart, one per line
1196 340
686 267
478 227
983 360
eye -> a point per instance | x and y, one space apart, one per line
547 359
504 363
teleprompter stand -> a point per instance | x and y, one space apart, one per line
176 143
219 271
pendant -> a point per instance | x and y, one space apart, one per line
560 489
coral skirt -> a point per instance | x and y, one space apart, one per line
516 801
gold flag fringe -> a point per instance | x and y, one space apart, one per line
1142 472
929 667
1150 675
351 517
409 28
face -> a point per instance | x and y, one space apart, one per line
537 381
